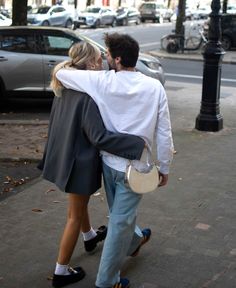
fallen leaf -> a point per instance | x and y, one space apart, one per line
56 201
50 278
49 190
37 210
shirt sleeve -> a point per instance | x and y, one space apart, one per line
79 80
164 141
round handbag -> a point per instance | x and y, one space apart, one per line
141 182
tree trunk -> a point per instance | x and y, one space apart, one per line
19 12
179 27
225 4
75 4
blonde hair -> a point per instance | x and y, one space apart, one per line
83 55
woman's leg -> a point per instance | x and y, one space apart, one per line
77 213
85 225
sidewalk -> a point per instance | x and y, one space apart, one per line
192 219
229 57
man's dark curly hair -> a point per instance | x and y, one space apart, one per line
123 46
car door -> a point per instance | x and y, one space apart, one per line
21 68
132 15
233 25
107 18
57 16
56 48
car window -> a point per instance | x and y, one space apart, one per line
93 10
18 43
40 10
58 9
57 45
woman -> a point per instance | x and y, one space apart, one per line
73 163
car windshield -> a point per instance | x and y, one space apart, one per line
93 9
121 10
40 10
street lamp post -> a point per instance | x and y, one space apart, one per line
209 118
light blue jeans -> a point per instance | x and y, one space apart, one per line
121 240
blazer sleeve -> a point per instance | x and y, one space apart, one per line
123 145
40 166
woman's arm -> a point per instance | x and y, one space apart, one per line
123 145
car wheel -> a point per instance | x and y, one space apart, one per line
2 92
75 25
160 20
69 24
97 24
142 20
226 42
138 21
114 23
45 23
125 22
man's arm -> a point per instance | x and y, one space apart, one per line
123 145
165 146
79 80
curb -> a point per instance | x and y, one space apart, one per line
24 122
19 159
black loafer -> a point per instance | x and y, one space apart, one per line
91 244
63 280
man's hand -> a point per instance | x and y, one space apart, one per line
163 178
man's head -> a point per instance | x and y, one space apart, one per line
122 52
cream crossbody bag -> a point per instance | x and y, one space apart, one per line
145 181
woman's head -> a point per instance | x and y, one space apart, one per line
83 56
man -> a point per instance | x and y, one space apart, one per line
133 103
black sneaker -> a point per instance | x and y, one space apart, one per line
63 280
91 244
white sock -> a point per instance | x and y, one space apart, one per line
89 235
62 269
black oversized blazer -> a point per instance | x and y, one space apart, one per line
70 159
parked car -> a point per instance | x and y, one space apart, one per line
95 16
5 12
202 13
228 30
155 12
188 14
28 55
4 21
231 9
126 15
50 16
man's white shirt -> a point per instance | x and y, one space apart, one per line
129 102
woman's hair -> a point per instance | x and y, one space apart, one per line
83 55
